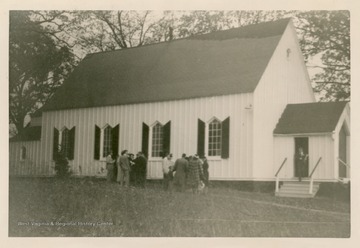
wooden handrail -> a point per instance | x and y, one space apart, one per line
311 178
343 163
280 167
315 167
277 178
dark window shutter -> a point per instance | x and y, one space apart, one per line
56 143
166 137
201 138
115 140
225 138
97 143
145 140
72 144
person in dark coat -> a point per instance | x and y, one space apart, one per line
132 171
115 157
195 173
205 167
300 162
180 168
140 169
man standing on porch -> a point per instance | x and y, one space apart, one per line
300 162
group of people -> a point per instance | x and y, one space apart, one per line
191 171
126 169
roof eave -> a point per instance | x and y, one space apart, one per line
302 134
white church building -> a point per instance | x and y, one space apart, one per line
241 97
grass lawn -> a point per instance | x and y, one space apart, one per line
49 207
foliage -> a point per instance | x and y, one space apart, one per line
200 22
110 30
62 167
37 65
327 34
45 45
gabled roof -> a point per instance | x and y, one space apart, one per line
219 63
307 118
37 113
28 134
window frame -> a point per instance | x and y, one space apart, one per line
102 134
61 133
60 139
150 141
102 139
23 158
207 137
99 140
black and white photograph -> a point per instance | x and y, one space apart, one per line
155 123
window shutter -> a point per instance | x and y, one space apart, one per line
225 138
97 143
72 144
166 138
56 143
201 138
145 139
115 140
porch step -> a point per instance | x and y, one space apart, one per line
297 189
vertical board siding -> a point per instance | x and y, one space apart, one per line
284 148
183 115
284 81
322 146
31 164
319 146
348 155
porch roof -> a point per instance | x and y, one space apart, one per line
307 118
28 134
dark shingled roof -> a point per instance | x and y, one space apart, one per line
219 63
320 117
28 134
37 113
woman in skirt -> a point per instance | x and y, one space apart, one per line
195 173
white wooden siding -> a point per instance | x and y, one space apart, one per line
322 146
284 81
319 146
284 148
348 174
31 165
183 115
343 120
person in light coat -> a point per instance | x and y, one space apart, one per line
110 166
123 169
167 167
